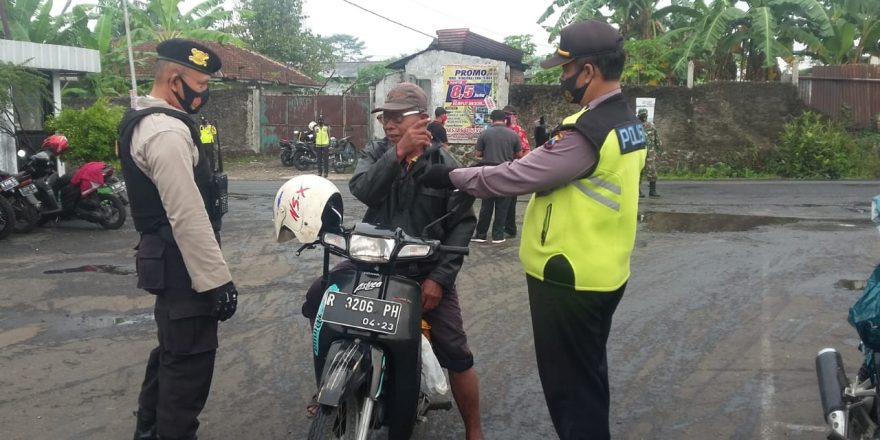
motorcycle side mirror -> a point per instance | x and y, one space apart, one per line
21 154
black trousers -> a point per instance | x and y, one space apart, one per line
510 227
179 370
323 160
571 331
498 205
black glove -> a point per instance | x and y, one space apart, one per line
437 176
225 301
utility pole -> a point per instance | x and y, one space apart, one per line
133 92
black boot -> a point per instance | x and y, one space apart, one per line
652 189
146 426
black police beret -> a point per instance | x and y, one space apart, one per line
584 39
190 54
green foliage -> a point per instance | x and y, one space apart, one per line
720 170
369 75
812 147
346 47
18 80
162 20
276 28
92 131
644 62
546 77
523 43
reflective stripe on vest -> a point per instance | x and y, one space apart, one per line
591 221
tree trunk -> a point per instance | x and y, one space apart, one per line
7 34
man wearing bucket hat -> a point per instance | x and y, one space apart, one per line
579 227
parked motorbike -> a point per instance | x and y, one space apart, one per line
88 194
299 151
367 333
20 191
7 218
850 406
342 154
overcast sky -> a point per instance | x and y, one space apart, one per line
384 39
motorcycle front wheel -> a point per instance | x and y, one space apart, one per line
286 159
302 160
26 215
331 423
7 218
115 217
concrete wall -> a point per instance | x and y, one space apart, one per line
233 109
717 122
429 66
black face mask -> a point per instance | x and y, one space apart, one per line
570 91
189 96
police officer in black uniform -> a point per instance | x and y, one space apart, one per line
176 210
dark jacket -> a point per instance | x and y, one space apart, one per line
394 198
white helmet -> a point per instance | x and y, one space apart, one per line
312 125
305 204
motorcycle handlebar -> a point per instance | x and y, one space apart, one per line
463 250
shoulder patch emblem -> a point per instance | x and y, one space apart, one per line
631 137
199 58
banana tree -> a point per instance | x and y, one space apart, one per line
635 18
30 20
734 43
162 20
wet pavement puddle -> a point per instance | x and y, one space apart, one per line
704 223
103 321
851 284
95 268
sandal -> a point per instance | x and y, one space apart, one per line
312 407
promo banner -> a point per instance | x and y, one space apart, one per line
471 91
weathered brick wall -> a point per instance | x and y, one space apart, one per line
710 123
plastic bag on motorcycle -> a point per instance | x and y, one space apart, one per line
864 315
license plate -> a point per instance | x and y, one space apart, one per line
28 189
118 187
375 315
8 184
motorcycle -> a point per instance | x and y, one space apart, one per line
7 218
89 195
299 152
367 334
851 407
342 154
20 192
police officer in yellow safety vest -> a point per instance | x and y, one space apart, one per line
207 132
579 227
322 144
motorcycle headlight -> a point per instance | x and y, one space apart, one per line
334 240
414 250
370 249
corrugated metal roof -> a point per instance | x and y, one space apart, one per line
466 42
50 56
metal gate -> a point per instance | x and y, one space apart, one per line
280 115
849 91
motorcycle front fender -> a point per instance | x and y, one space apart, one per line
351 364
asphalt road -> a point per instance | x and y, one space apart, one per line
735 287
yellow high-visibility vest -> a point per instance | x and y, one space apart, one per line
581 234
